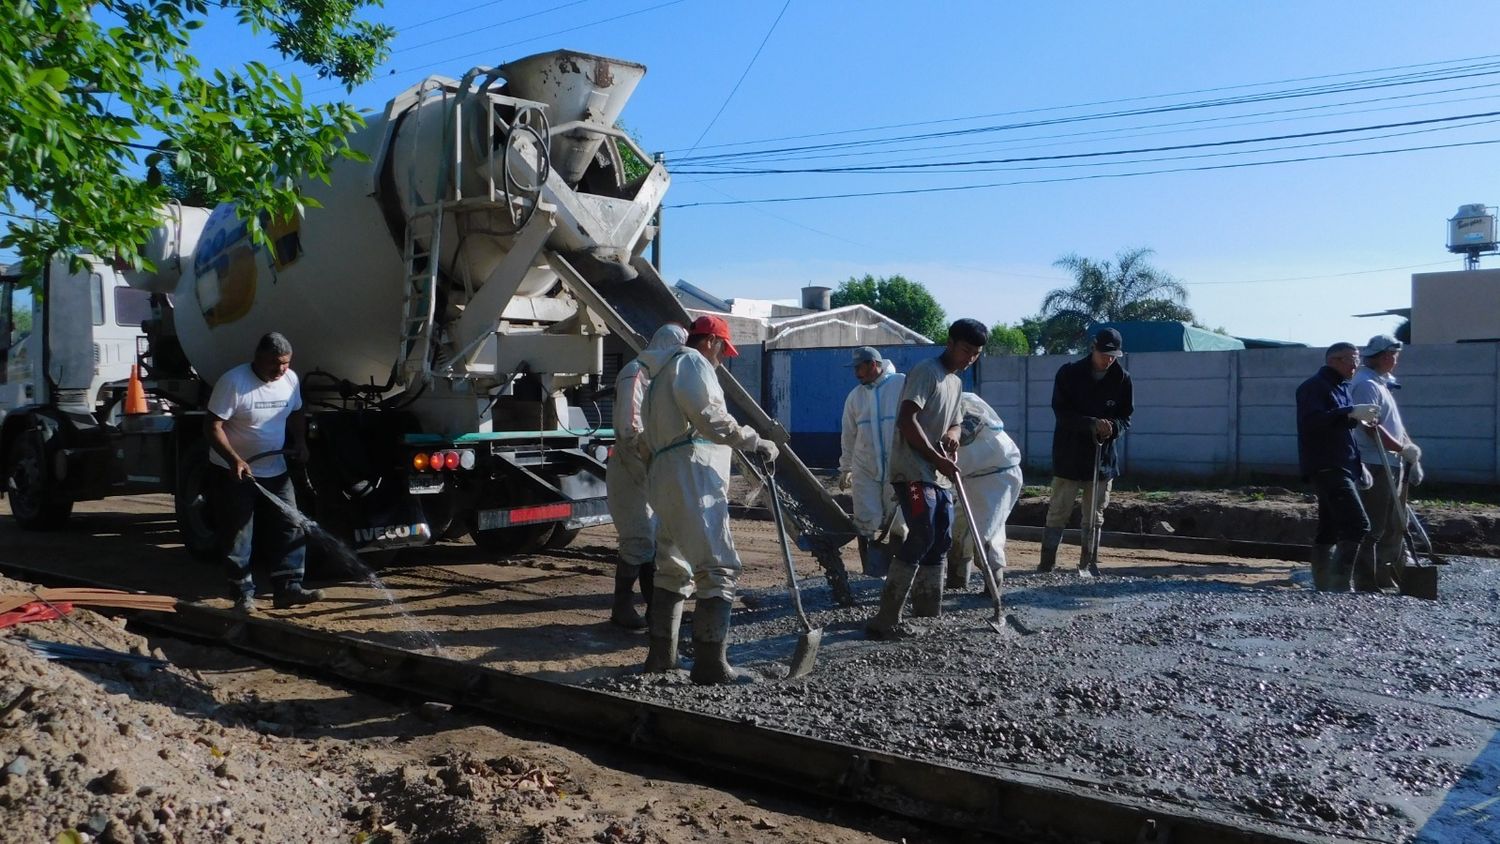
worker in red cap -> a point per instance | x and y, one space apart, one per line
690 433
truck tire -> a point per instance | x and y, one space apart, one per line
562 536
29 483
522 539
194 517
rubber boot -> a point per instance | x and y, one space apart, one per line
710 642
927 591
1320 558
1364 569
666 619
1088 558
892 600
957 578
864 555
623 614
1051 538
1341 566
648 585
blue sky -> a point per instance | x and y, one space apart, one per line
1267 251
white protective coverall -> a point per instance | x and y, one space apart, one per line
625 479
990 464
690 434
868 428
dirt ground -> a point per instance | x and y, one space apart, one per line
217 747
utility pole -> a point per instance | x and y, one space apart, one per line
661 158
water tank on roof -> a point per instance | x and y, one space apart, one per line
815 298
1472 229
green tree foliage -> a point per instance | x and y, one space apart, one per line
96 95
1007 340
1126 289
899 298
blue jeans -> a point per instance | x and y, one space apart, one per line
1341 515
928 511
244 518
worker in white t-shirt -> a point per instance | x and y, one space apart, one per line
256 408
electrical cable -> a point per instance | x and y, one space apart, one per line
1470 59
741 80
1090 177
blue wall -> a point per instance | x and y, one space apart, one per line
804 390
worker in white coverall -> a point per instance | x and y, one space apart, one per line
1384 548
990 464
864 461
626 482
690 434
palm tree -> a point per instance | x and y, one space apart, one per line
1128 289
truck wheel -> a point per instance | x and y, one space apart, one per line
29 483
562 536
522 539
194 517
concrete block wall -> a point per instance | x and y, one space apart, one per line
1228 414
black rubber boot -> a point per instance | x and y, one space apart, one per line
623 613
1365 579
892 600
864 555
710 645
1321 555
927 591
666 619
1051 538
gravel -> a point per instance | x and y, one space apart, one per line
1361 715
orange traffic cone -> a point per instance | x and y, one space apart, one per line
135 394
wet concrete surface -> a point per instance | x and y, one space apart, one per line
1368 716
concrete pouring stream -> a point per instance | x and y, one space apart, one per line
1223 686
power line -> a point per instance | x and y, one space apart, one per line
468 32
741 80
1089 177
1479 71
931 166
990 115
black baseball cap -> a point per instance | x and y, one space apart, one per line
1109 342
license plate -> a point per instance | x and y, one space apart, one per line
424 484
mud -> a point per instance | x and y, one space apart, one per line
1345 714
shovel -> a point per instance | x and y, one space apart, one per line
1088 564
1001 623
1414 581
810 637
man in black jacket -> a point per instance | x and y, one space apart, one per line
1092 399
1329 458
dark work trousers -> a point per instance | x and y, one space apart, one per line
1341 515
928 511
246 519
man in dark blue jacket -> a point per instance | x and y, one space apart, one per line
1092 400
1329 459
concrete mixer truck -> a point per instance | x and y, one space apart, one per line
457 303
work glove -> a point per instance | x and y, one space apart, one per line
1366 480
1411 452
846 480
766 450
1366 413
1414 475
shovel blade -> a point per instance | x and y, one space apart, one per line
806 654
1420 582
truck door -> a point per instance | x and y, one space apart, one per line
19 309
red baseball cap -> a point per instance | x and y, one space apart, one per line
715 327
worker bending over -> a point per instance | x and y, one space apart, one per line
1329 458
690 433
922 469
1092 401
626 483
869 429
1385 500
990 464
